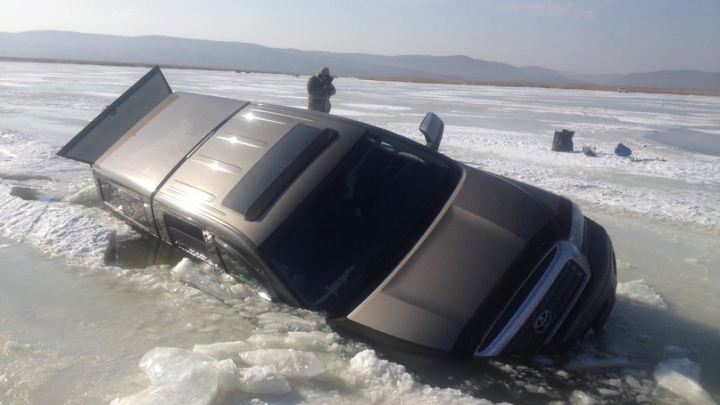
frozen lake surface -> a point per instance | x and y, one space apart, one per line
77 328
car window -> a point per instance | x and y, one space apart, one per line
98 136
239 268
123 201
187 236
360 221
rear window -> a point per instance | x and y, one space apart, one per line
98 136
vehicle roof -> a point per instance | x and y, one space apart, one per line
205 182
144 156
216 160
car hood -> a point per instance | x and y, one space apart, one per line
431 295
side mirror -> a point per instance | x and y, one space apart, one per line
432 128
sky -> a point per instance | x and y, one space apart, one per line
585 36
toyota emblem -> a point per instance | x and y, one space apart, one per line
542 322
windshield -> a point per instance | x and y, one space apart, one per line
360 221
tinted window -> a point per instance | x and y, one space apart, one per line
238 267
361 221
118 118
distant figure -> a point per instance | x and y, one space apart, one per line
320 88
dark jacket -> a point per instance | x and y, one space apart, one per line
320 88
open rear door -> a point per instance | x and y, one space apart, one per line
102 133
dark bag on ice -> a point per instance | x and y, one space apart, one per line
622 150
562 141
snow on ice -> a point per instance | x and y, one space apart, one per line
248 350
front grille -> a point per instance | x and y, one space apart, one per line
520 296
552 310
539 307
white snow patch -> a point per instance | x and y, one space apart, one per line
261 380
639 292
178 377
182 377
253 380
223 350
188 272
582 398
84 196
682 377
281 322
383 382
286 362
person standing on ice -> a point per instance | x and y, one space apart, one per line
320 88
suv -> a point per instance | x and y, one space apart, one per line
387 237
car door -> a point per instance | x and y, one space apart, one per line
117 118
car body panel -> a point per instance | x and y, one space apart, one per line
227 156
478 230
143 157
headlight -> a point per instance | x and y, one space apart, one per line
577 228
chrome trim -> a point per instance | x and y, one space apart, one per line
577 230
566 251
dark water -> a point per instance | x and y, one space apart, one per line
687 139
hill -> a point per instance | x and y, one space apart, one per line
182 52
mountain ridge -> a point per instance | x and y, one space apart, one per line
240 56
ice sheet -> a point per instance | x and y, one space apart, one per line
295 356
